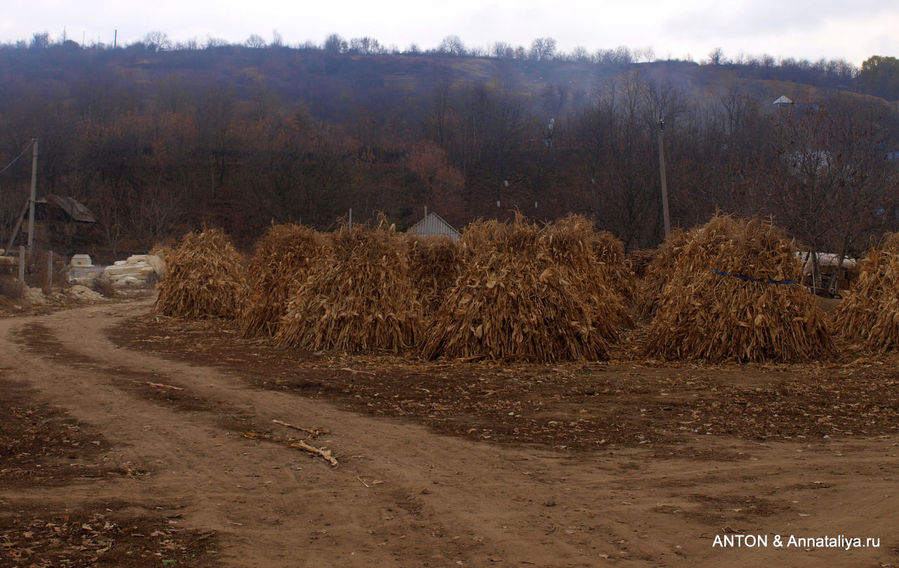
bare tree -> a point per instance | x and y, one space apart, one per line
277 39
452 45
255 41
716 56
502 50
580 55
335 44
365 46
157 41
543 49
40 41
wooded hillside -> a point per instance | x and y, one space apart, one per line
157 139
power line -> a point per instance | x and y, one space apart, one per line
16 159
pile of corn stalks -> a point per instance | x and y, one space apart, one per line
361 301
574 242
869 312
732 296
204 278
528 293
658 272
282 259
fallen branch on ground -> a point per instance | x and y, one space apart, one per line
321 452
162 386
257 436
314 432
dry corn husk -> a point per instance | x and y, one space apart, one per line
869 312
890 241
281 260
702 315
204 278
639 261
362 301
434 265
528 294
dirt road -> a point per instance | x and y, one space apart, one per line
209 458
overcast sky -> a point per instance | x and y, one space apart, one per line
851 30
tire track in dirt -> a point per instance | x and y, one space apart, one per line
403 496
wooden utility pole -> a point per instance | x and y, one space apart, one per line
665 216
32 197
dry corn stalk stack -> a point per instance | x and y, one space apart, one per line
869 313
602 248
658 272
204 278
434 265
527 294
362 301
281 260
731 297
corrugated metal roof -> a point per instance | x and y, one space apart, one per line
434 225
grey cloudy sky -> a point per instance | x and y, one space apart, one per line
852 30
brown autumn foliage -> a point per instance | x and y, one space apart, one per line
196 137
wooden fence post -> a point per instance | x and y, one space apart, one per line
21 265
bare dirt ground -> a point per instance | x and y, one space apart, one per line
104 462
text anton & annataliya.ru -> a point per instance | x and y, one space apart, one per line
791 541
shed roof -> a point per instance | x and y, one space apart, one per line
74 209
433 225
